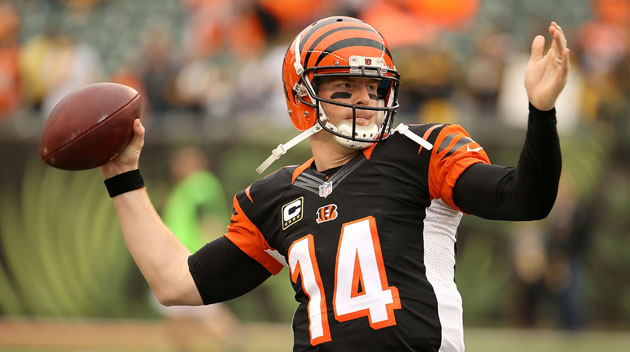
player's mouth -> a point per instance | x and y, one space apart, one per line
361 120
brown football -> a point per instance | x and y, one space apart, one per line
90 126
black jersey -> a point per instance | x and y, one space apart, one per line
371 248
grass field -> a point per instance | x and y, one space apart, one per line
141 336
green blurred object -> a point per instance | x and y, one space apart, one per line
64 255
196 200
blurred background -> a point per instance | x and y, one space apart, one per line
209 71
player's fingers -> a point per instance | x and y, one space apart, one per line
565 59
559 40
138 127
559 50
559 29
138 133
538 44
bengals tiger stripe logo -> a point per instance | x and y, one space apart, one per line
327 213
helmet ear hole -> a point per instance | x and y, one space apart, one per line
296 99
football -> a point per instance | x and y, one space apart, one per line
90 126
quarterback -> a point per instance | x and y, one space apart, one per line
367 226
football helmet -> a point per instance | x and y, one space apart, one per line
332 47
340 46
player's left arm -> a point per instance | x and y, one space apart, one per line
528 191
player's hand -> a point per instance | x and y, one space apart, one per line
546 75
129 158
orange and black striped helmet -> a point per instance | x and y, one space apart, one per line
338 46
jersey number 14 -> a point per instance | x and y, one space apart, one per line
361 287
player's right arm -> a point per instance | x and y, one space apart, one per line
242 259
221 270
159 255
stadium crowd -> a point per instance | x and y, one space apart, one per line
222 59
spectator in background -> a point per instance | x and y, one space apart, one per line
220 27
158 70
81 7
196 210
204 88
53 64
604 55
205 30
32 58
484 73
128 74
570 224
266 97
431 76
548 262
68 65
287 19
10 95
196 207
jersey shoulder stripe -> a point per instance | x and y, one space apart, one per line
247 218
248 238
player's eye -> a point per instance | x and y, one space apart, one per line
345 85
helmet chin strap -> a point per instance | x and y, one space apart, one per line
282 149
345 127
405 131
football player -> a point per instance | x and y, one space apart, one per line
367 226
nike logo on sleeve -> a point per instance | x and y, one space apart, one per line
473 149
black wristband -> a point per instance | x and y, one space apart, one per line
125 182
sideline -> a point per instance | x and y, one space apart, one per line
135 335
93 335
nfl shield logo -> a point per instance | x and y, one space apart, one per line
325 189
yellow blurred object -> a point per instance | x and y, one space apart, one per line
437 110
31 68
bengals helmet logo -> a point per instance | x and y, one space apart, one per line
327 213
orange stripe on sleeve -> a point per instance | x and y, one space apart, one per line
246 236
427 133
453 152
